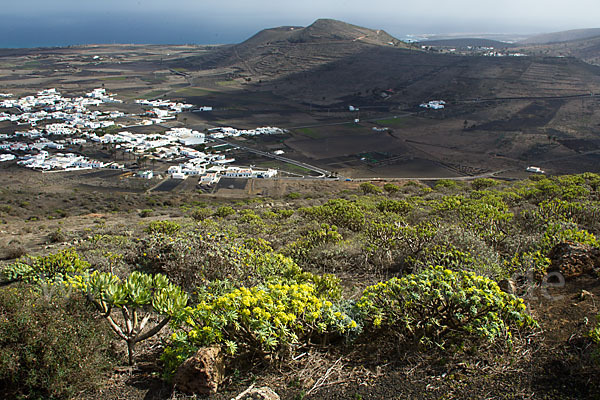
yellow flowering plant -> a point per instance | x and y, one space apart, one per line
265 319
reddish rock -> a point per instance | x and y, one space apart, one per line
201 373
573 259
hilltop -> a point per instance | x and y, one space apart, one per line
563 36
585 49
277 52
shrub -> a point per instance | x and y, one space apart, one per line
224 211
483 183
397 206
264 320
52 267
594 334
300 249
369 188
249 217
49 349
138 297
147 212
57 236
283 214
440 307
390 188
338 212
201 213
446 183
163 227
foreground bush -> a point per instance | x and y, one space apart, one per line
52 267
138 297
440 307
49 349
263 320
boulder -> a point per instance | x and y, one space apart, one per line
573 259
261 393
202 373
508 286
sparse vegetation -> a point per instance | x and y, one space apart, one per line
397 268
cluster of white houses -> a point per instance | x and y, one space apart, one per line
210 174
223 132
57 122
44 161
434 104
49 104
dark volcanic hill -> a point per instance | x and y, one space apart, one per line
564 36
331 62
276 52
587 50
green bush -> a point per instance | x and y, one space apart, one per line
369 188
440 307
139 297
262 320
52 267
338 212
283 214
594 334
49 349
147 212
483 183
163 227
446 183
201 213
391 188
300 249
224 211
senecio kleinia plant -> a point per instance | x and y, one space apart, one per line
438 307
265 319
137 297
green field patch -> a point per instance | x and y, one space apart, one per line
29 65
154 79
155 93
310 132
393 122
115 78
226 83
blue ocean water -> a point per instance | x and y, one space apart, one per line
18 32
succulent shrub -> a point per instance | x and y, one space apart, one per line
440 307
138 298
369 188
391 188
48 268
163 227
265 320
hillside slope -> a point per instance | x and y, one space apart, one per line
332 61
563 36
276 52
587 49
